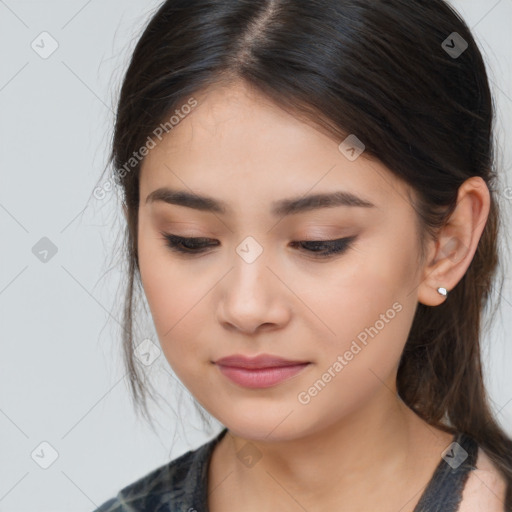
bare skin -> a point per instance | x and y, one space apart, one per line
317 479
353 443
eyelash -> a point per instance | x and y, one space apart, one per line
339 246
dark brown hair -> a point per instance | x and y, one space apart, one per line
374 68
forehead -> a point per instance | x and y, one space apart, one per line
239 145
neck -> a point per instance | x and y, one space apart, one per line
347 461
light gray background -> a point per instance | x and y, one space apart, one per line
61 375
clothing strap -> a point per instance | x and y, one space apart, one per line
443 493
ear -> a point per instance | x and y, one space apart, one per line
449 257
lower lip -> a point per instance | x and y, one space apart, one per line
261 378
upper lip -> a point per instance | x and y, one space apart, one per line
259 361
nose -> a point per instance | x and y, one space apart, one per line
253 298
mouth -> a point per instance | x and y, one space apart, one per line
262 371
258 362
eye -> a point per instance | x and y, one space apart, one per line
318 248
186 245
324 248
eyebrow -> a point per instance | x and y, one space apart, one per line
282 207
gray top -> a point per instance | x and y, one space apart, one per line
181 485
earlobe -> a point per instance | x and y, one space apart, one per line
456 243
444 272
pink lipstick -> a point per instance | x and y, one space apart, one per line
262 371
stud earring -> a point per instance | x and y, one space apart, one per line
442 291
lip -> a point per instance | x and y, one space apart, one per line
258 362
262 371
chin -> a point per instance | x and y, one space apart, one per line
267 428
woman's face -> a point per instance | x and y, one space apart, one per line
254 290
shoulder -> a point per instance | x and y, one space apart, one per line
485 487
168 488
150 490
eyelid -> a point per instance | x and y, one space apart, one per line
306 239
312 238
332 247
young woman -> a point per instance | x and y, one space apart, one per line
312 214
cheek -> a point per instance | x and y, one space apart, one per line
174 302
369 316
368 308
